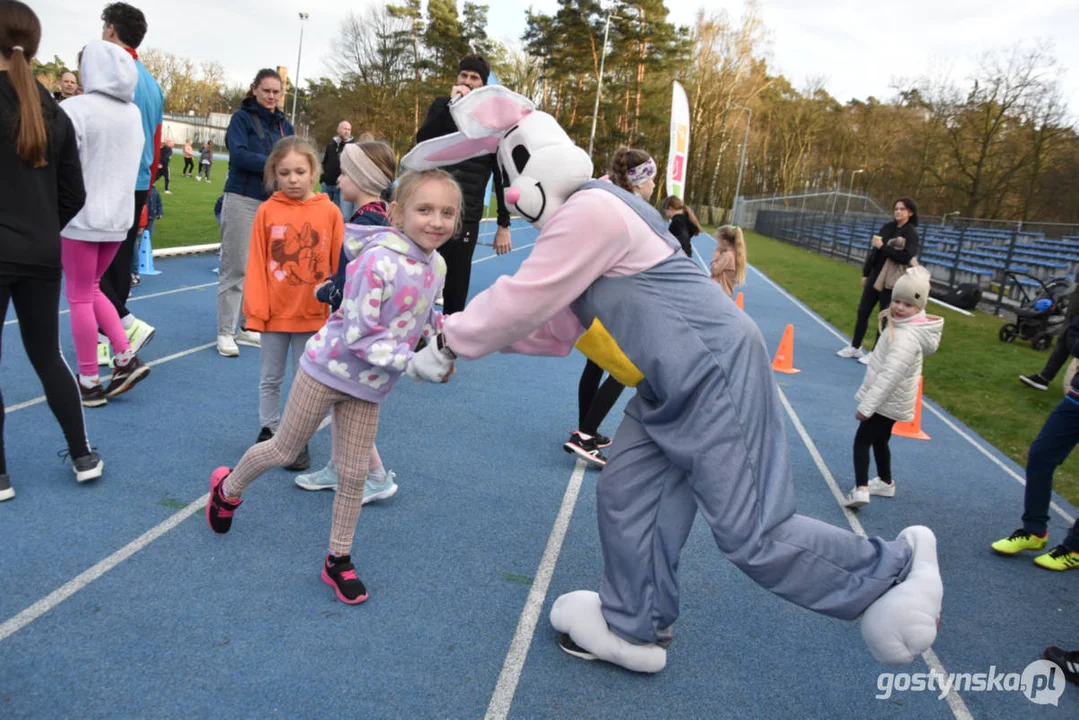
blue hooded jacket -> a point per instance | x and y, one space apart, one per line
248 153
332 293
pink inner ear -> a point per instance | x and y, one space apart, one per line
464 149
499 112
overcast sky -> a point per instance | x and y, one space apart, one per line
859 48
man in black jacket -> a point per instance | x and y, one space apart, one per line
472 175
331 167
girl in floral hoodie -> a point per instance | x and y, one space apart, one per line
392 280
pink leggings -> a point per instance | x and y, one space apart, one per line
84 264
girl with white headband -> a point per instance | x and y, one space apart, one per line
633 170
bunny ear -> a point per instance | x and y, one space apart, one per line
489 110
448 150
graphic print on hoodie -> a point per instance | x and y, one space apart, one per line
108 128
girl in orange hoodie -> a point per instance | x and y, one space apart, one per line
295 246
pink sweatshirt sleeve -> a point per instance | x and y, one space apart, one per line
592 235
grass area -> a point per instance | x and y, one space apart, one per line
973 376
189 211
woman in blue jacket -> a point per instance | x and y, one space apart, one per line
253 130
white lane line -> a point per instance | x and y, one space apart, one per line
925 403
492 257
152 363
955 701
62 593
502 698
143 297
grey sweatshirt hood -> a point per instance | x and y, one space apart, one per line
108 69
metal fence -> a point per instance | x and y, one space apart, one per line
1009 264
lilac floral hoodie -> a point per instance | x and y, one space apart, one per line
390 289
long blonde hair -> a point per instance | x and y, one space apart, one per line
733 235
281 149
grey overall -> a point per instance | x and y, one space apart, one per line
706 432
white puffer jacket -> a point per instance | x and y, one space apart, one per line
890 387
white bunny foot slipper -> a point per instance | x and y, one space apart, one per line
902 623
578 614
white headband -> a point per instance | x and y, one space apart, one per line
642 173
17 47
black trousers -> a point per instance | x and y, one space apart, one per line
1060 354
189 166
163 171
871 297
595 400
116 282
458 256
873 433
37 305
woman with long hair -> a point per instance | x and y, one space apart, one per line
41 190
253 131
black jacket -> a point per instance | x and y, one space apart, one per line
472 175
35 203
874 261
682 229
331 161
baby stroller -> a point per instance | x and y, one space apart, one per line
1042 309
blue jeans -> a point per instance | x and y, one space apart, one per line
345 206
1055 441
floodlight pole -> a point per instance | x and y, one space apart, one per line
599 84
847 209
741 166
296 82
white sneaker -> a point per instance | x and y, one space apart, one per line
864 359
248 338
857 497
850 352
881 489
226 346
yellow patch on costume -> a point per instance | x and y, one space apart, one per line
599 347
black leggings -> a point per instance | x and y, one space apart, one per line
116 282
37 305
594 400
874 432
189 166
870 298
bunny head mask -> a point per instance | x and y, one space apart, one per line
539 164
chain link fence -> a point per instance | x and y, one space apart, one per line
1008 263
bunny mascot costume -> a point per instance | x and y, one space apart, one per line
705 431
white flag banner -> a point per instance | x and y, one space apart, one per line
679 153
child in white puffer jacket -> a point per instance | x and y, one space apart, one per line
890 389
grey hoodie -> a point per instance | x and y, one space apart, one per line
108 129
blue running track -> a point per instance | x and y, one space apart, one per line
118 602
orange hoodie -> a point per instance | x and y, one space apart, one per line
295 246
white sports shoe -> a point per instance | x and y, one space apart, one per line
226 346
864 359
850 352
251 339
880 488
857 497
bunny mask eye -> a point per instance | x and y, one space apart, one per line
520 156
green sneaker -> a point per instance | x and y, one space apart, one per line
104 354
1019 541
1059 558
139 335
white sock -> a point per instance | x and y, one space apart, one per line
123 358
127 321
89 381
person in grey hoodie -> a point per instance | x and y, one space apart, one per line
108 127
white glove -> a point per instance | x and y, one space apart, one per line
431 364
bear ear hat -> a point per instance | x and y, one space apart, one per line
482 116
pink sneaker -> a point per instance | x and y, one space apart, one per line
340 574
219 511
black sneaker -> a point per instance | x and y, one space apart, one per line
340 574
602 441
585 449
264 435
1035 381
93 396
302 461
88 467
1068 662
568 646
125 377
6 491
219 511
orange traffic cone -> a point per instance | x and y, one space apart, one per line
739 301
784 359
912 429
